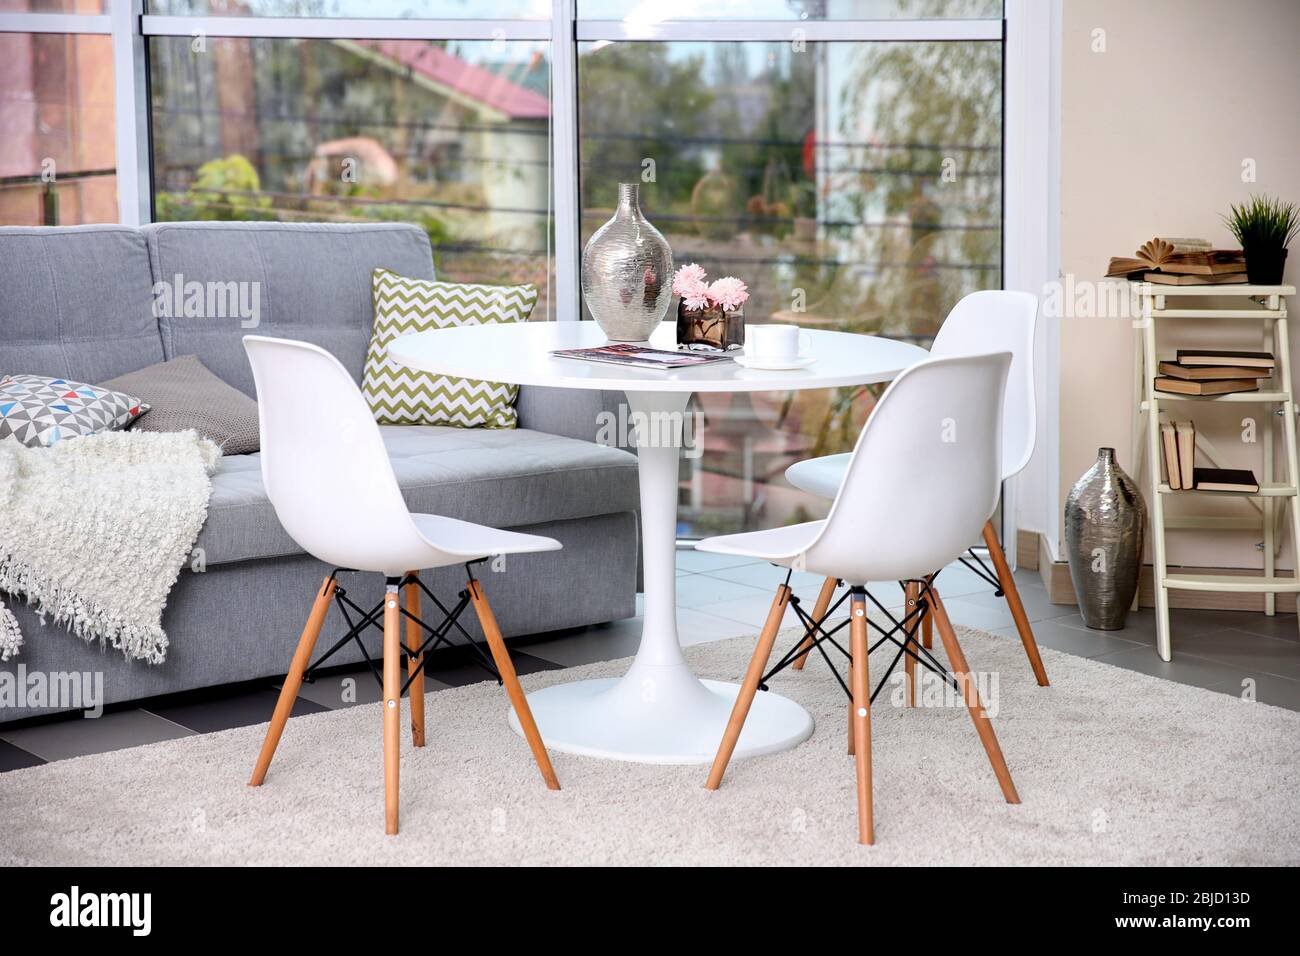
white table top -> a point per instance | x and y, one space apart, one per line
518 353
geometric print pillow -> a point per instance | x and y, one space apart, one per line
39 411
399 395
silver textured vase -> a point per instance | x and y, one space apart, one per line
627 270
1104 520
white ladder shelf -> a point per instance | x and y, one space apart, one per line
1253 302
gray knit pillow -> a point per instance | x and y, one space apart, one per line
184 394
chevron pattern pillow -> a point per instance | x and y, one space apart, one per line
399 395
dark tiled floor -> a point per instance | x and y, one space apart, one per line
221 712
1242 654
15 758
75 736
459 668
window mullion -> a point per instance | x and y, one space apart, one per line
131 109
565 157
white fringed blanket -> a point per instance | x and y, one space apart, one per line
94 531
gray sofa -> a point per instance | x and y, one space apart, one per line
77 302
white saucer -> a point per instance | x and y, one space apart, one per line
775 364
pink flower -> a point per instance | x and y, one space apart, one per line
687 277
729 292
695 296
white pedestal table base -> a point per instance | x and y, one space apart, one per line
659 711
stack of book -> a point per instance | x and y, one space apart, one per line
1214 372
1181 262
1181 473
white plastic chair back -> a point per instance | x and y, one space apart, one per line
924 477
997 321
324 464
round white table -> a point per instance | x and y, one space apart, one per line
659 711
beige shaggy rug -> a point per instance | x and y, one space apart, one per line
1113 767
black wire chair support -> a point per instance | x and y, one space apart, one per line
908 626
437 635
982 570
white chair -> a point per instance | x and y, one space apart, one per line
922 480
328 476
980 322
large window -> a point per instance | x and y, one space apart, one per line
57 157
842 157
852 186
452 136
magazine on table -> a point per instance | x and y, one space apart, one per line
642 357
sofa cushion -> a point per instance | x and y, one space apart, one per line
182 394
405 396
506 479
76 302
307 281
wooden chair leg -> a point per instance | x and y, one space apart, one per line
392 705
860 683
748 687
850 728
983 726
414 638
289 692
1009 590
927 627
913 592
819 609
507 671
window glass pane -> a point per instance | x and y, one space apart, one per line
57 164
453 136
853 186
53 6
375 9
658 11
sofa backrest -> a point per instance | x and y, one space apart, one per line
76 302
310 281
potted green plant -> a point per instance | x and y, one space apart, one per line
1264 226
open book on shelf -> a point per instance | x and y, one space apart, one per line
1163 257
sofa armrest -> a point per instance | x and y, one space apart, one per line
571 412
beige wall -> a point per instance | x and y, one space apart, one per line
1154 131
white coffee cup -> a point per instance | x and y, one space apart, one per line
776 343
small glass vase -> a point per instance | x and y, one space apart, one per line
711 329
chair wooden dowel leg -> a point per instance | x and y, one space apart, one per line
392 706
851 730
860 683
1012 594
293 681
913 600
748 687
414 638
506 668
927 626
983 726
819 611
